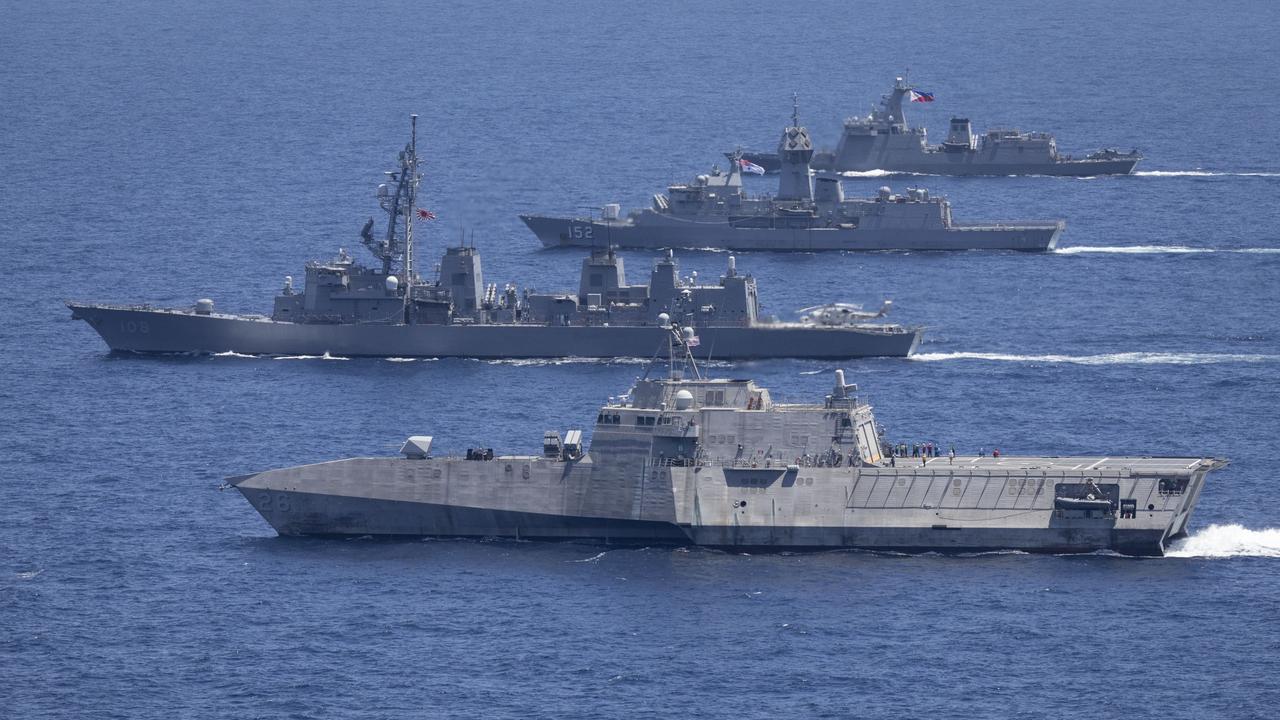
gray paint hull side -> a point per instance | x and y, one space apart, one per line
960 167
310 514
300 514
555 232
159 331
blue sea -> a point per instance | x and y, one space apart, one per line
165 151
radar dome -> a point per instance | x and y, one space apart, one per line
684 400
664 319
393 283
688 333
204 306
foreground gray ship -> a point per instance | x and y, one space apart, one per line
348 309
808 213
719 463
882 140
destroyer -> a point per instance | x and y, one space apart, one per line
686 460
808 213
882 140
351 310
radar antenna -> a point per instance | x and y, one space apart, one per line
398 204
680 344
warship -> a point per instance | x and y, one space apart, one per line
882 140
809 213
351 310
685 460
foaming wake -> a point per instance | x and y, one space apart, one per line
1202 173
234 354
872 173
1158 249
593 559
1129 358
325 356
545 362
1220 541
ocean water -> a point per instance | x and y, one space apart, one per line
161 152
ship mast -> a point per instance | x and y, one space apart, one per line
399 206
412 190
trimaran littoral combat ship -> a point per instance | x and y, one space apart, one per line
882 140
808 213
687 460
347 309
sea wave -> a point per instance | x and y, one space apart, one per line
325 356
1127 358
872 173
1201 173
544 362
593 559
1222 541
234 354
1158 249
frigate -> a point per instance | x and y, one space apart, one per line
882 140
718 462
348 309
810 212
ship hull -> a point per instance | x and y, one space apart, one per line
331 516
141 330
975 506
958 164
573 232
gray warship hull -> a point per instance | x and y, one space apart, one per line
971 504
678 233
952 164
151 330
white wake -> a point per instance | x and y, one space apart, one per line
1221 541
1128 358
870 173
325 356
1158 249
1202 173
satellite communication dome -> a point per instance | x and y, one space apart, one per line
684 400
392 283
664 319
688 333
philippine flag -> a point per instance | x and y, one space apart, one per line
750 167
921 96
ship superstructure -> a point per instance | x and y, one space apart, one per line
809 212
882 140
388 309
720 462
